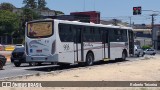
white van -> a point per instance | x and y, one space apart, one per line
138 51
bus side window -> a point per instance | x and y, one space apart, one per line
87 34
77 33
106 35
66 33
61 34
74 33
111 35
71 34
97 35
124 35
117 35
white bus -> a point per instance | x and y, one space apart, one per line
72 42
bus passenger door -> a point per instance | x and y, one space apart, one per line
78 44
106 45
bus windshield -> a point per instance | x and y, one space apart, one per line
39 29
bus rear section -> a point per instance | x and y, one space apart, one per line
40 41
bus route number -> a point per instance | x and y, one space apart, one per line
66 47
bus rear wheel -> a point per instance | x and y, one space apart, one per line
89 59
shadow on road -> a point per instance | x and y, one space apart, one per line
57 67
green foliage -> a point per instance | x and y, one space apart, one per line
35 4
29 14
41 4
30 4
17 41
59 13
146 47
8 22
7 6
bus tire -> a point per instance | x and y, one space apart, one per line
143 55
124 55
31 64
89 59
17 64
1 65
39 64
138 54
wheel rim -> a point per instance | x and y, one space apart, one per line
90 59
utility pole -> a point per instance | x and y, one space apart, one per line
152 28
130 21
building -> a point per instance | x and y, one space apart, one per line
88 16
156 36
142 36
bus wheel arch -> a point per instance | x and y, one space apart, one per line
124 50
124 54
89 58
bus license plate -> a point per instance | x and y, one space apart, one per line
39 51
16 60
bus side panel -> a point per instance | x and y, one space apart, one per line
99 52
78 53
65 46
66 52
96 48
106 52
116 49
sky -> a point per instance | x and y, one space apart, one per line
109 9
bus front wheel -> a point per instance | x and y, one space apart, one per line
124 55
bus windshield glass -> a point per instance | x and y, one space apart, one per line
39 29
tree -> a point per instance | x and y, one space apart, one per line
41 4
30 4
29 14
7 6
9 22
59 13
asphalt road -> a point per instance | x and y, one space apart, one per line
10 71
